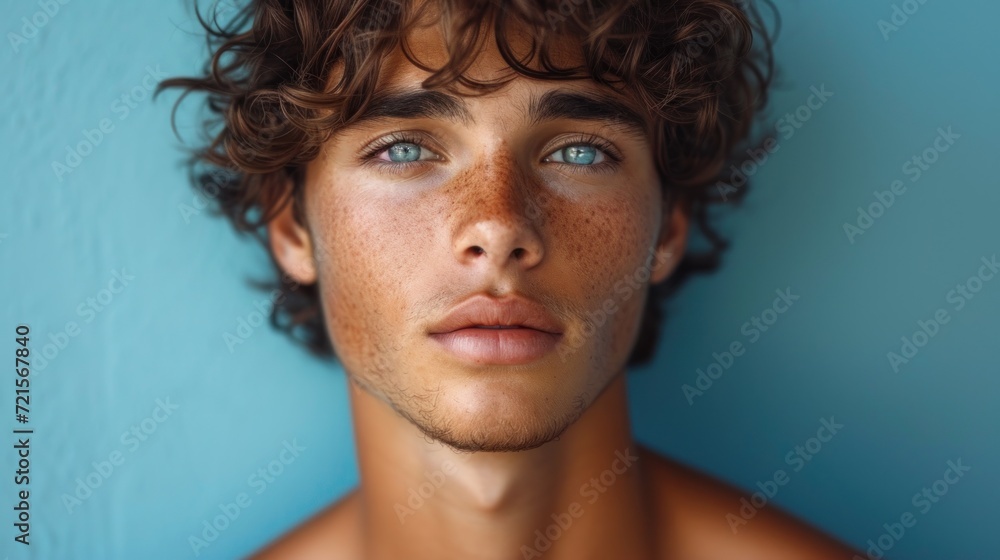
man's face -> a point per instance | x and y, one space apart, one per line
493 204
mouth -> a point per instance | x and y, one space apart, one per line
497 344
509 331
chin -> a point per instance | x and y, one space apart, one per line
499 415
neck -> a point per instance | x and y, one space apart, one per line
580 496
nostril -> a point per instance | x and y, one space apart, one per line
518 252
477 250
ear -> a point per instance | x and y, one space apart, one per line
292 246
671 244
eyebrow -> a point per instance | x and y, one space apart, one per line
552 105
585 106
415 104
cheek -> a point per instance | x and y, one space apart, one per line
602 241
606 247
606 242
365 249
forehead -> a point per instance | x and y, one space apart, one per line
400 94
426 42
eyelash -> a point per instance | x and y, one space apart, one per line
611 156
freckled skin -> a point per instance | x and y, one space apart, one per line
406 251
393 253
401 251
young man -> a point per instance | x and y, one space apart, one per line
485 263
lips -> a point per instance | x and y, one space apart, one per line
487 331
485 312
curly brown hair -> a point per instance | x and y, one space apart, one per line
693 63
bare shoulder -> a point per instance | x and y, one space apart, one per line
703 519
329 535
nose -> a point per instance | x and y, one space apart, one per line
497 244
500 223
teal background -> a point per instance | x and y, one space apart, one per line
161 337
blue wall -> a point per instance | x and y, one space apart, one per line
167 284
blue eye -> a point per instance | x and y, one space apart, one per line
402 152
580 154
587 154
